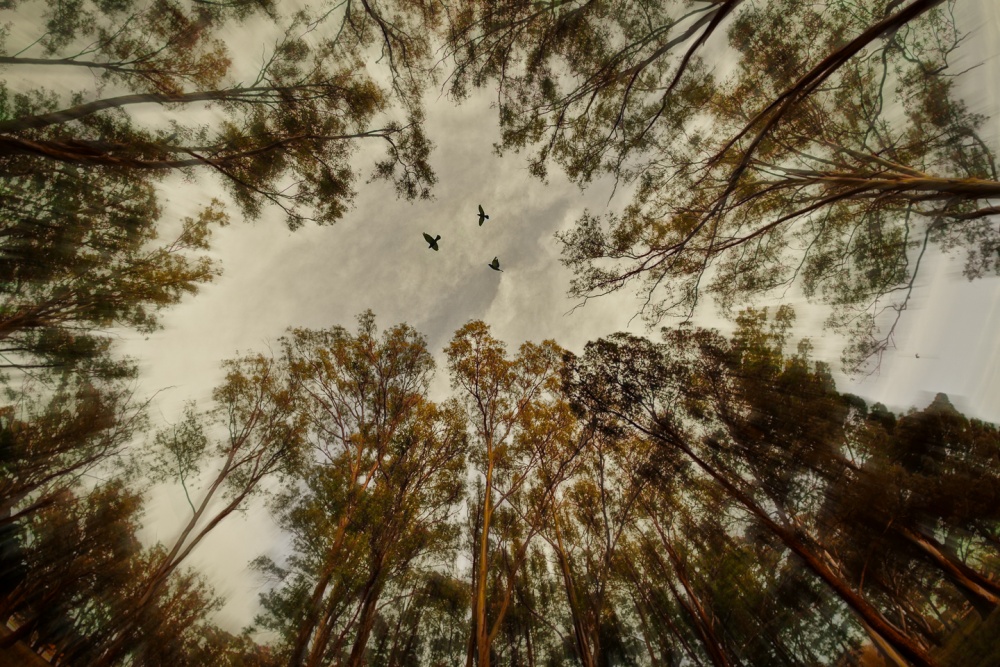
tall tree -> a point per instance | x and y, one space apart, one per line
83 255
262 438
377 492
518 421
284 137
51 438
650 388
837 181
591 83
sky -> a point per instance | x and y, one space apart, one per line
376 258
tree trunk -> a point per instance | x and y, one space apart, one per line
703 622
983 594
372 592
482 630
899 641
581 640
308 624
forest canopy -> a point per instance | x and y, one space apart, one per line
683 497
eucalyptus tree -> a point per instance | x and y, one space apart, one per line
81 562
922 494
665 392
523 437
260 438
831 159
586 532
157 46
589 82
79 254
426 624
52 437
72 552
374 499
284 136
836 181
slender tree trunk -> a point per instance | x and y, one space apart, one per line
394 650
308 624
482 630
981 592
704 623
168 565
79 111
926 188
900 641
372 592
581 640
321 639
644 627
664 615
885 648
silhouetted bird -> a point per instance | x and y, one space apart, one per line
918 356
482 216
495 265
432 241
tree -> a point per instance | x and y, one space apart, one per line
375 498
591 82
263 438
285 137
650 388
836 181
80 254
161 47
518 421
47 443
585 533
77 547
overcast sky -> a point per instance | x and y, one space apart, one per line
376 258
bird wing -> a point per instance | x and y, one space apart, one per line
428 238
481 211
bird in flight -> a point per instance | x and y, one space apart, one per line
432 241
482 216
495 265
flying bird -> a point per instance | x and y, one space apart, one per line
482 216
432 241
495 265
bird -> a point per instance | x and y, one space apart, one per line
495 264
482 216
918 356
433 241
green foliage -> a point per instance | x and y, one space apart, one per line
821 163
285 136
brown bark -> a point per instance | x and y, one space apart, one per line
370 597
482 630
896 638
308 624
249 95
985 592
703 621
578 623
